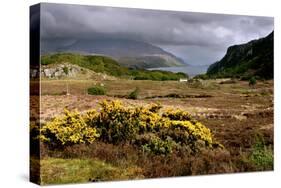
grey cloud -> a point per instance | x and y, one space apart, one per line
211 33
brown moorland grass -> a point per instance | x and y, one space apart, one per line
235 113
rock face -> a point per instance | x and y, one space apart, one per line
70 71
59 71
254 58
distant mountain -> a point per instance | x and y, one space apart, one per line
254 58
130 53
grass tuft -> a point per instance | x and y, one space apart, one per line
62 171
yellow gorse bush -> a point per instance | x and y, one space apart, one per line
177 114
71 128
115 123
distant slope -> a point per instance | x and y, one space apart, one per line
130 53
109 66
95 63
254 58
150 61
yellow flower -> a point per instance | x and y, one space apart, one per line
116 121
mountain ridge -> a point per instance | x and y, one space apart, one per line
139 54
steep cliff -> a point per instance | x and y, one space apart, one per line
254 58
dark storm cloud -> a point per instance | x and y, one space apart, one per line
179 32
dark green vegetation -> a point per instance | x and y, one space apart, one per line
252 81
134 94
254 58
97 90
103 64
262 155
65 70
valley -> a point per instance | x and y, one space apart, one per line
127 93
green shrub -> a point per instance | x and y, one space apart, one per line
97 90
261 155
252 81
134 94
152 144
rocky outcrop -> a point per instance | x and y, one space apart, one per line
59 71
70 71
254 58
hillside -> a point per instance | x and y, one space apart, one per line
130 53
150 61
71 71
108 66
254 58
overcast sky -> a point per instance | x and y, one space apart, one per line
197 38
